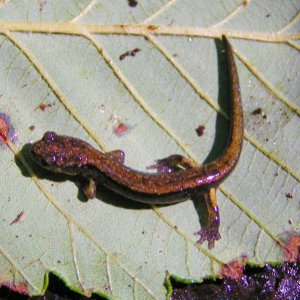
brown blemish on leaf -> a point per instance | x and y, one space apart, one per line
153 27
19 288
17 218
291 250
234 269
259 111
132 3
129 53
44 106
200 130
256 111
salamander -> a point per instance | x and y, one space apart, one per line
177 177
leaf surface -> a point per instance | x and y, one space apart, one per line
60 70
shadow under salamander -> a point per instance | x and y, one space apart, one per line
103 193
222 124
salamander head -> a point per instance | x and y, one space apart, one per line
60 153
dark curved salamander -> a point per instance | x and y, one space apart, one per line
170 184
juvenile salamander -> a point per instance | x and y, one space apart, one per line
170 184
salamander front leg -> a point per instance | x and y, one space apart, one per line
210 227
117 155
89 188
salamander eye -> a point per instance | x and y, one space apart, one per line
49 136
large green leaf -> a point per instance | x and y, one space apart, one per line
173 85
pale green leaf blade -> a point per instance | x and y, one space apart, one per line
170 87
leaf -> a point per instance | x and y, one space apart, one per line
60 70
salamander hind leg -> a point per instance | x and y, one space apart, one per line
173 163
210 227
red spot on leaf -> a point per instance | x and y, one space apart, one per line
121 129
4 126
6 129
235 268
17 218
3 137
